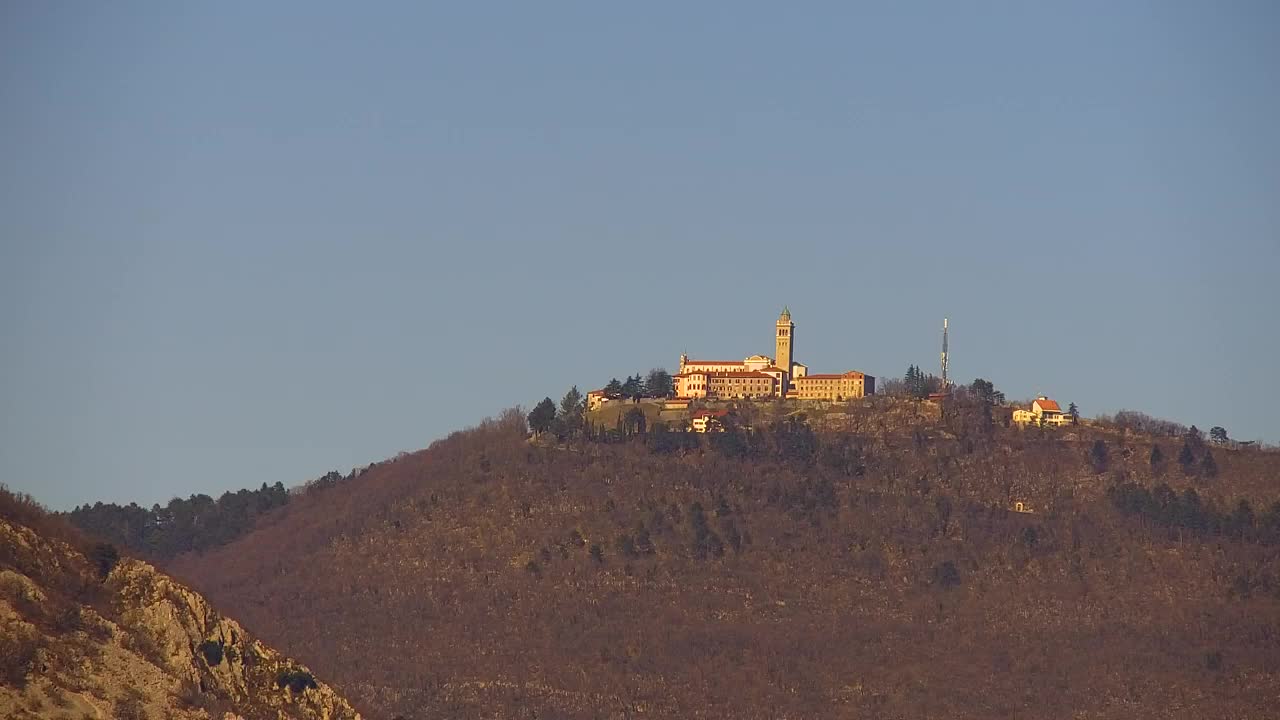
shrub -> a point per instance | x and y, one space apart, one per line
69 619
104 557
1213 660
144 644
626 546
946 574
130 706
58 696
296 680
17 651
643 543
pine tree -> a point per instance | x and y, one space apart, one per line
1208 466
570 415
542 416
1186 458
1157 460
658 384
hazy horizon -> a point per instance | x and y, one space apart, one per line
244 244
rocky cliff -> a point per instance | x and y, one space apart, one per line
84 635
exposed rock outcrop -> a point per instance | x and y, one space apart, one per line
132 643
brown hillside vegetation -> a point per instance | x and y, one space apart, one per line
780 573
87 634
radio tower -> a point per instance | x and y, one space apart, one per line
946 384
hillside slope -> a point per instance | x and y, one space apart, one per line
97 637
784 574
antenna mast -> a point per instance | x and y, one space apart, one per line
945 383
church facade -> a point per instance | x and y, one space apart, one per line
761 376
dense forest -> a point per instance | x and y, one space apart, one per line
197 523
859 561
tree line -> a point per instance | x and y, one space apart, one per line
567 419
1187 512
195 523
657 384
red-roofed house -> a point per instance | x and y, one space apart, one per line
595 399
1043 412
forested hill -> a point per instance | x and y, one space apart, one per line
833 566
197 523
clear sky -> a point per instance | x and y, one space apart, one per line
253 242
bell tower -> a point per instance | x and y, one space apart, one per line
784 347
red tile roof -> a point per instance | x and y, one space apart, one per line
854 374
1048 405
743 373
709 413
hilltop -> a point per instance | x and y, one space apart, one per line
868 562
85 633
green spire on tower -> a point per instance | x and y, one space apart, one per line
786 311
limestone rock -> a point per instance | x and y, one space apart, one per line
137 644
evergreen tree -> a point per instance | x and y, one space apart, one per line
1186 458
613 390
986 391
542 416
634 422
1195 438
1098 456
658 384
1218 435
1208 466
1157 460
633 388
1074 412
569 417
1241 520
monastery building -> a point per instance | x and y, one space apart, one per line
760 376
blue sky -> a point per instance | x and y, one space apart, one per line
253 242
